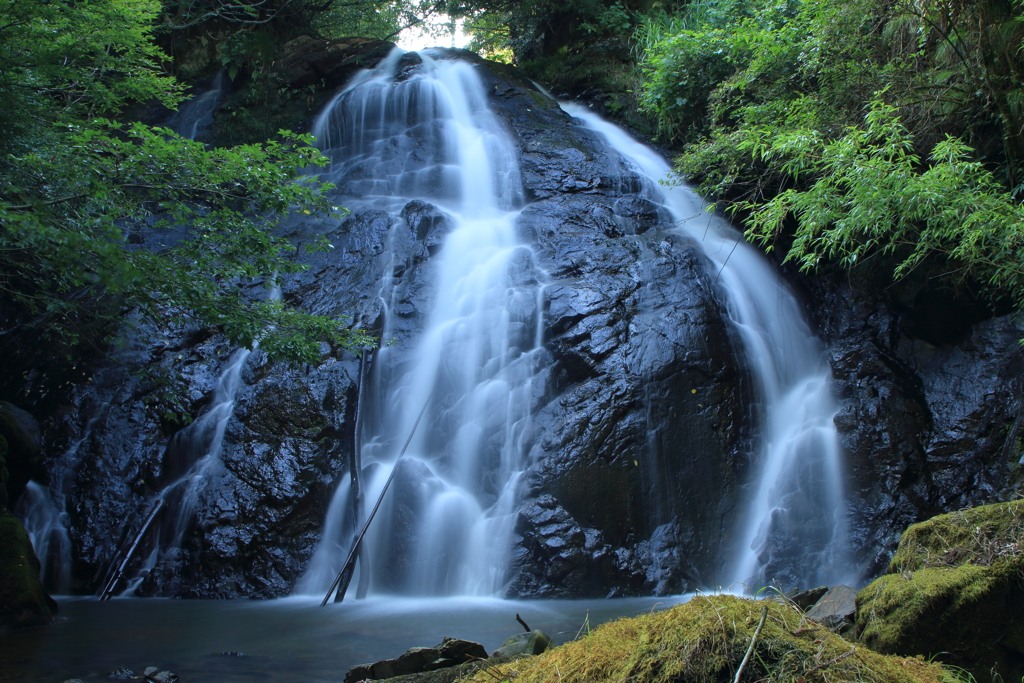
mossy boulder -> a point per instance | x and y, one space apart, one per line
954 590
23 602
704 641
19 451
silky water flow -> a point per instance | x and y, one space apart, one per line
793 527
445 526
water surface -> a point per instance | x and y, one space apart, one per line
280 641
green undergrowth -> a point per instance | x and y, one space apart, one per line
954 591
705 640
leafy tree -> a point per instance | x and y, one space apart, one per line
770 102
98 217
873 195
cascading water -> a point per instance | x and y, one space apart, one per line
198 447
197 114
192 455
793 530
406 133
43 509
46 525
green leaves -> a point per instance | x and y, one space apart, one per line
873 194
212 213
97 217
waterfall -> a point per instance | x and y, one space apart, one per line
418 129
793 528
197 114
43 509
196 449
46 526
191 458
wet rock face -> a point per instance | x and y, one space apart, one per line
925 428
642 418
259 511
639 433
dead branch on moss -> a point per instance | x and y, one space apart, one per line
753 641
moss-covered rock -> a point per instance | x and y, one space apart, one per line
23 602
705 640
19 451
954 590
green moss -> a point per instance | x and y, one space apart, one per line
953 591
980 535
23 602
705 640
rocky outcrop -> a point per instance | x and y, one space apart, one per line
326 64
642 418
926 426
259 511
953 591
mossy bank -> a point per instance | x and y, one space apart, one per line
705 641
954 590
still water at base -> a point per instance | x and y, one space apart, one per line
287 640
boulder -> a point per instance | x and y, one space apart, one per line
450 652
23 602
953 591
20 449
529 643
806 599
835 609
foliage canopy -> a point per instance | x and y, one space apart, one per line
882 128
98 217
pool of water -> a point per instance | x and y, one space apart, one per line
279 641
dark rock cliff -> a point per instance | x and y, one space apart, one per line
643 423
925 427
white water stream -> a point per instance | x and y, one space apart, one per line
446 527
794 523
431 137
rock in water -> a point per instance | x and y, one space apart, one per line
953 590
450 652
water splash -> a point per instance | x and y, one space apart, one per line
418 128
793 530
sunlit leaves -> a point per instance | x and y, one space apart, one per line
873 194
98 217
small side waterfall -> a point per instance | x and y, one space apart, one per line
196 449
191 457
43 509
46 525
793 530
196 115
418 129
